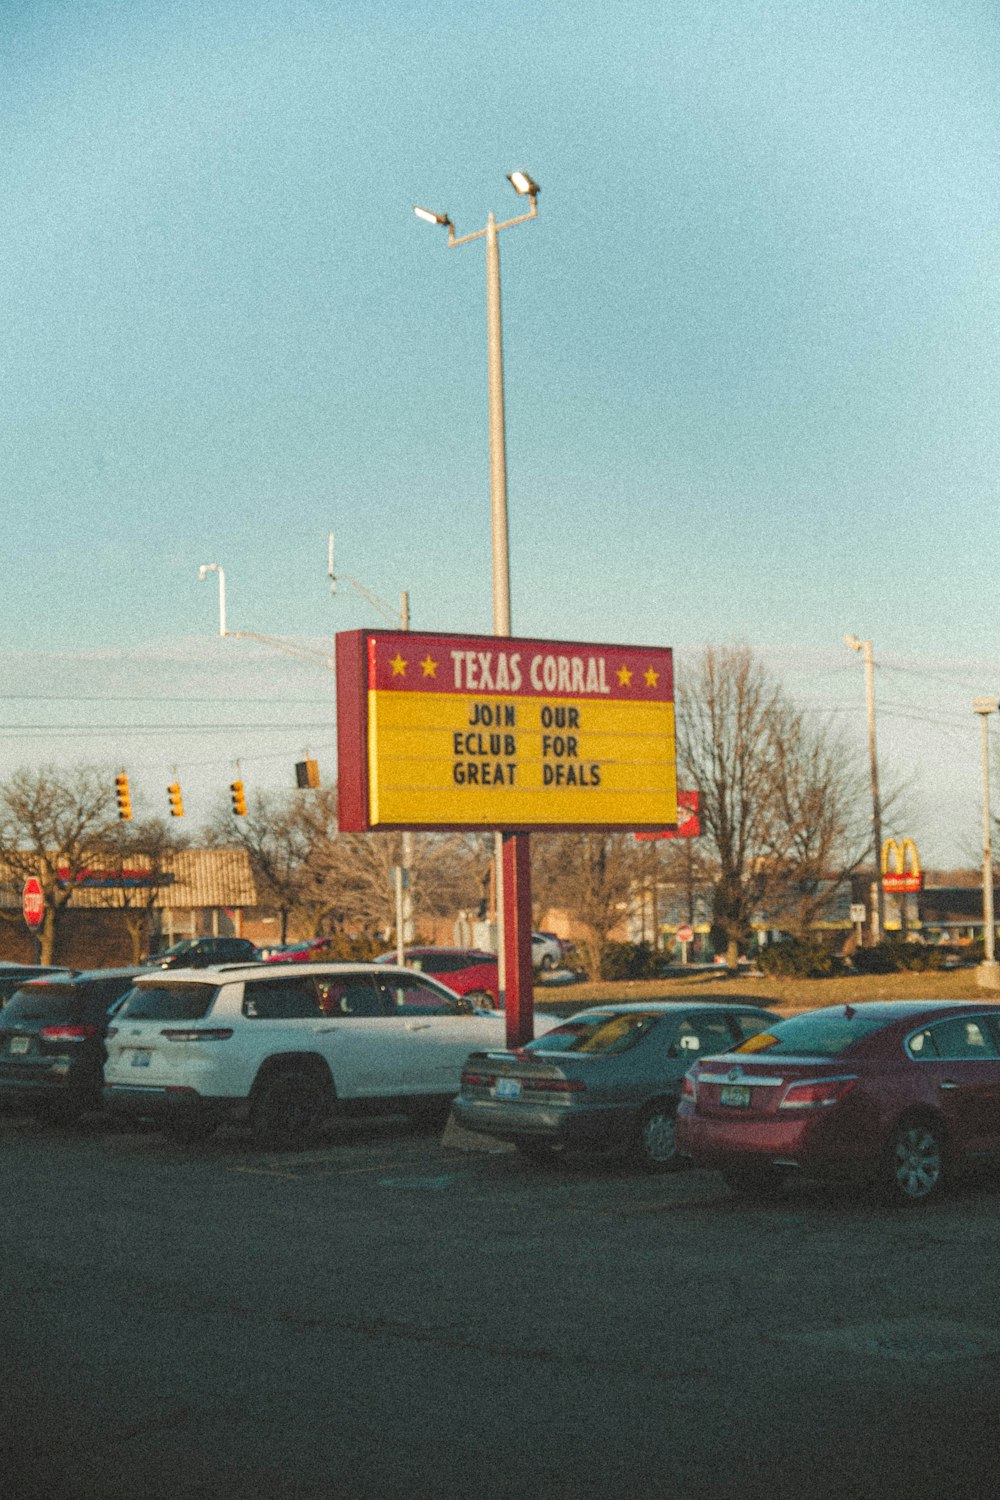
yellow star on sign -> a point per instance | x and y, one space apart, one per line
430 667
652 678
624 676
398 666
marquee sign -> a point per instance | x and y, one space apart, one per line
449 731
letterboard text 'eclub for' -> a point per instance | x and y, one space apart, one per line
496 748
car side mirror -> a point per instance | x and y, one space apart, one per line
463 1007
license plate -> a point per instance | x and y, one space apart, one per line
20 1043
736 1095
507 1088
141 1059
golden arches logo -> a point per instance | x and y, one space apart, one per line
897 852
901 866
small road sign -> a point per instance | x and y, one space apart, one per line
685 934
33 902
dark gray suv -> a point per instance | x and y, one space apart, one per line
203 953
52 1041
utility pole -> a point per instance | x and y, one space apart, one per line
878 915
988 973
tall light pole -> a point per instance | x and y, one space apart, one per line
512 850
203 573
988 973
865 647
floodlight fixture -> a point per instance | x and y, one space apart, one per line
429 217
523 184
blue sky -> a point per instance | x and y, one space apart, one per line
750 342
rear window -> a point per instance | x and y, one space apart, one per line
819 1033
11 983
167 1002
601 1031
43 1002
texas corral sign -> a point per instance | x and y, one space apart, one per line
449 731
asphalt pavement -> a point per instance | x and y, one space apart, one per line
388 1315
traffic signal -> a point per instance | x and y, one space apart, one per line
123 797
307 773
239 801
176 801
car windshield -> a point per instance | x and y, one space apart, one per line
177 950
599 1031
818 1033
167 1002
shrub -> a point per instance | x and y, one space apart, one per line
630 961
799 958
344 947
895 957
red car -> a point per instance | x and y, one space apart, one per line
899 1091
468 971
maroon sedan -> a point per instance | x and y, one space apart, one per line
898 1091
468 971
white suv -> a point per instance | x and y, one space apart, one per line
284 1046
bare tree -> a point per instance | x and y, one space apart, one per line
595 876
51 821
780 802
138 856
289 841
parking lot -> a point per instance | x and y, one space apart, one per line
384 1314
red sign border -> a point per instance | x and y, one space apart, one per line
34 885
351 661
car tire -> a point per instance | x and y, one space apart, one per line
189 1130
481 999
755 1182
914 1163
287 1108
656 1138
548 962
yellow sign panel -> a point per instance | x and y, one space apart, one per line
486 733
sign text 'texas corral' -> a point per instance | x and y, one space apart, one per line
447 731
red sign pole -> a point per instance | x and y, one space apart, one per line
520 974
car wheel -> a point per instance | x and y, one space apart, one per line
914 1165
755 1182
656 1141
288 1109
548 962
481 999
189 1130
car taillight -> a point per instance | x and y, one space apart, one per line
816 1093
689 1086
198 1033
67 1033
478 1080
554 1085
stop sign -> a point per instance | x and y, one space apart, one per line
33 902
685 934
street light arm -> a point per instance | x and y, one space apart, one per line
387 612
463 239
290 648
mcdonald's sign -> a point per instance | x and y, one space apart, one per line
901 872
